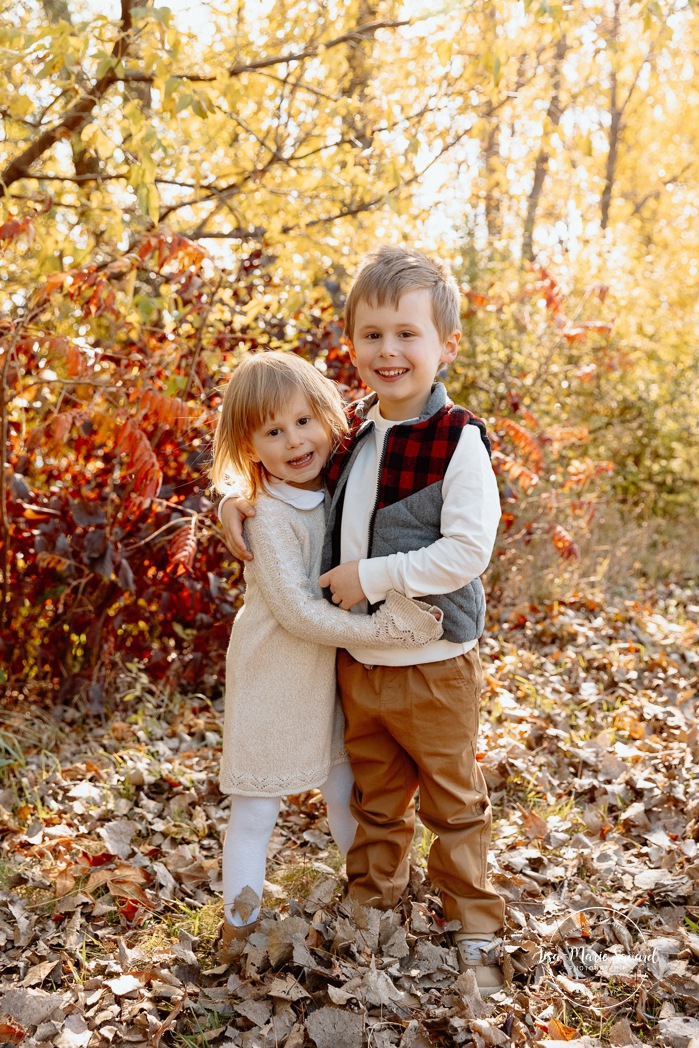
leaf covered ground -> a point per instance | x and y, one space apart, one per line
110 865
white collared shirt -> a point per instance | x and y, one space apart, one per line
300 498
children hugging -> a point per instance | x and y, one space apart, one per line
391 506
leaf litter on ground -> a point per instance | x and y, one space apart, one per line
110 867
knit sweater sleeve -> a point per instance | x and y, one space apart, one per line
279 572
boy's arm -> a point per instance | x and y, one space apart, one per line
233 510
469 523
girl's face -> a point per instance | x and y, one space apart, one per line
293 445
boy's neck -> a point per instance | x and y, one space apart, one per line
401 413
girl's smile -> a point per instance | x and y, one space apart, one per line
293 445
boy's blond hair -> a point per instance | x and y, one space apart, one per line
259 388
388 272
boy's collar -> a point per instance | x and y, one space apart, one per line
438 399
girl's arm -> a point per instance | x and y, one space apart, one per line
279 571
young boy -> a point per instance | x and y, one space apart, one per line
413 506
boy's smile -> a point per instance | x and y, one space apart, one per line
398 351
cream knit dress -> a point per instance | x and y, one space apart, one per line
283 723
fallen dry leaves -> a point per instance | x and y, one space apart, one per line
110 867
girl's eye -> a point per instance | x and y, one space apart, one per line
272 432
304 421
406 334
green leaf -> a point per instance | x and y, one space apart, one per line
198 105
148 307
171 85
105 64
21 105
183 102
53 65
149 201
175 385
162 15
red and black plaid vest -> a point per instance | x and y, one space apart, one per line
415 455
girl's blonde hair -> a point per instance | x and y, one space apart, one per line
259 388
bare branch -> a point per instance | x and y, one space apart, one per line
254 233
354 35
653 194
370 205
80 179
299 85
616 115
78 114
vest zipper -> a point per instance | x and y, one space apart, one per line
339 500
374 511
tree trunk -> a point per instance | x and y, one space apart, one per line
553 119
493 189
615 115
614 134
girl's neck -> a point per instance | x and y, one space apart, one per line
311 485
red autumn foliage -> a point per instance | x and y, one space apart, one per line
14 228
111 550
112 556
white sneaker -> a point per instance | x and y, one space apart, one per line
481 954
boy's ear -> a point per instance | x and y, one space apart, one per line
353 355
451 348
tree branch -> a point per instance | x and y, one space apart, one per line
616 126
655 193
354 35
75 117
255 233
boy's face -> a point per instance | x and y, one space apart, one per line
398 352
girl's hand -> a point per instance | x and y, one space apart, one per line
232 514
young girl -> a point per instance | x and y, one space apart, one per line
283 725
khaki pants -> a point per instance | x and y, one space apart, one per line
409 727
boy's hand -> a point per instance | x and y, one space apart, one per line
232 514
344 584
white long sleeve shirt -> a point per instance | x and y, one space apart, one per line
469 523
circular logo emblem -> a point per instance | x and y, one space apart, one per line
599 956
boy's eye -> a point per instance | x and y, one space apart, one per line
272 432
304 421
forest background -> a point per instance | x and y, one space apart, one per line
184 185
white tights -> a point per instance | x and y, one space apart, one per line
250 827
